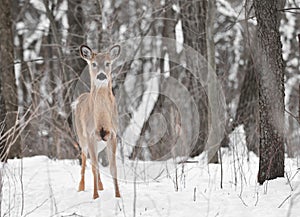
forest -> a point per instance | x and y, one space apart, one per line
207 96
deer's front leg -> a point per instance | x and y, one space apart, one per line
94 170
111 152
100 185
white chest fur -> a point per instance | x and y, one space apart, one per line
98 83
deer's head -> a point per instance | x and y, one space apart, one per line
100 64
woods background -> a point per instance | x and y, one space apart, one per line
40 68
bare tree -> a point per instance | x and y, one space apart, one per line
194 25
2 120
162 148
46 43
75 38
248 106
271 90
210 20
8 83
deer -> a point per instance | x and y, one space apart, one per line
95 115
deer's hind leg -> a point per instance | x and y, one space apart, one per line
83 165
100 185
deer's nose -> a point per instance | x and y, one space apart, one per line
101 76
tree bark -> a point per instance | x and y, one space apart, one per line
2 121
75 37
194 15
8 83
271 90
212 154
248 107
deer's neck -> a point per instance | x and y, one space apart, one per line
101 92
101 101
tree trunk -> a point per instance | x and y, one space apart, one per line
212 154
194 14
2 122
161 149
8 83
271 90
248 107
75 37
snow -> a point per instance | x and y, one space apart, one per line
167 65
50 188
237 55
39 5
226 9
123 30
179 36
176 8
287 28
290 84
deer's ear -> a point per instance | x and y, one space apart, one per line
86 53
114 52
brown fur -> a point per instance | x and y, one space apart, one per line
96 118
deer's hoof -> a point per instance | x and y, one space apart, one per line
118 194
100 186
81 186
95 196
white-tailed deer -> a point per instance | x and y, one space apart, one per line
96 116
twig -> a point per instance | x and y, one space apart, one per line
22 187
221 164
292 115
256 202
188 161
295 174
134 187
289 9
291 204
75 205
74 214
31 211
289 182
242 200
284 201
53 201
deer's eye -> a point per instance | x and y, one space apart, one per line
107 64
94 64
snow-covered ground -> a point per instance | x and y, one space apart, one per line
45 187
